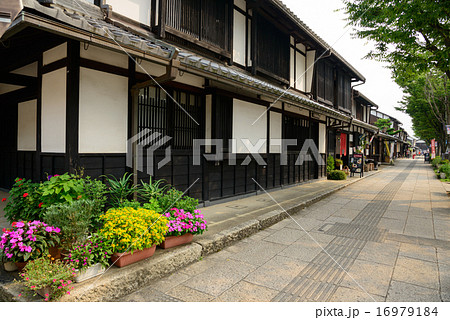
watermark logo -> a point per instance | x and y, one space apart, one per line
144 145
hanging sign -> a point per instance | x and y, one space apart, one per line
433 149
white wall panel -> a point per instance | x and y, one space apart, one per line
154 69
241 4
26 126
310 59
192 80
322 137
239 35
54 111
300 71
276 125
105 56
292 68
103 112
54 54
244 114
28 70
138 10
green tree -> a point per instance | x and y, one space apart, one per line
427 101
406 32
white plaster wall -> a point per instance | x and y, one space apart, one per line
5 88
292 68
54 111
300 71
310 59
138 10
239 36
103 112
294 109
26 126
154 69
192 80
301 47
322 137
54 54
241 4
276 125
105 56
28 70
244 114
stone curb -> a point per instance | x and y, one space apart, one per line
118 282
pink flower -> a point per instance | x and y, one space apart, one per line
25 195
68 292
20 294
54 280
3 200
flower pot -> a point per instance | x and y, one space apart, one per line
442 175
44 292
20 265
55 252
91 272
173 241
123 259
10 266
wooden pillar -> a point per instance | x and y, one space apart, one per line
37 172
72 106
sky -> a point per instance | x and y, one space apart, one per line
321 16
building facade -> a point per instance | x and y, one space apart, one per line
80 79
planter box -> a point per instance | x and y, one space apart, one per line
123 259
9 266
91 272
174 241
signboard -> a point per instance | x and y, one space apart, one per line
433 149
357 164
447 129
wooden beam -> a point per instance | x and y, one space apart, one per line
18 79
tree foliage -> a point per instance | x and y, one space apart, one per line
426 100
406 32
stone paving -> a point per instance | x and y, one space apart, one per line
384 238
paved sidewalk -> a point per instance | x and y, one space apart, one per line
383 239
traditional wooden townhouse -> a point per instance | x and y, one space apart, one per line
388 146
80 80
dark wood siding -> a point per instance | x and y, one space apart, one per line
344 90
271 48
203 20
325 82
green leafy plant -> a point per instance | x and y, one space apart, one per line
44 273
337 175
120 190
152 205
130 204
128 229
330 164
338 162
174 198
61 189
74 219
153 189
445 168
24 201
90 252
436 161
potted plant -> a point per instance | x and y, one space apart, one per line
90 258
27 241
339 163
132 234
74 219
50 279
182 227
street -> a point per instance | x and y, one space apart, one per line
384 238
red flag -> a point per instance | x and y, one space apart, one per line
343 144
